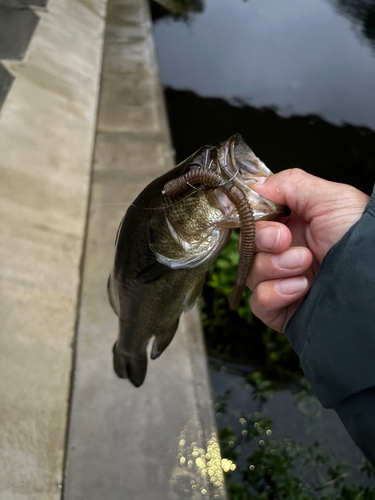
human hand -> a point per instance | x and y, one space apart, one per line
287 256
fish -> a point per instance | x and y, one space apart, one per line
171 235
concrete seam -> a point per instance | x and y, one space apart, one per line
81 272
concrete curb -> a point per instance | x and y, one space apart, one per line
158 441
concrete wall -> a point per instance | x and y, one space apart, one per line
47 127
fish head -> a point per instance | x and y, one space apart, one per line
235 162
199 217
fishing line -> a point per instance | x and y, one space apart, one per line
147 208
168 206
195 189
235 167
233 176
128 205
206 160
234 162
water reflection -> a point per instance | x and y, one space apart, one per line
301 57
362 12
179 8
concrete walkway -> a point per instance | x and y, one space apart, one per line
157 442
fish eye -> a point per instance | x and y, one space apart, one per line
192 166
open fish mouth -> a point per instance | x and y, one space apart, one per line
225 174
237 163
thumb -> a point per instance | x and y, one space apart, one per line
298 190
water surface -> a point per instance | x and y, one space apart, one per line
302 57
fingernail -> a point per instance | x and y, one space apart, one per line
292 285
291 259
268 237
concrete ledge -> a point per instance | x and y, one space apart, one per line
47 129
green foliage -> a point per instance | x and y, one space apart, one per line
262 389
222 277
227 440
368 469
222 402
238 335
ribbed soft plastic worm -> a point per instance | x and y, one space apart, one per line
238 198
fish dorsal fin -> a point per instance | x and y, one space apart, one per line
194 294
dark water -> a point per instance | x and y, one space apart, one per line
297 80
310 57
344 154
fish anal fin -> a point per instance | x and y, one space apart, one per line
162 341
194 294
109 292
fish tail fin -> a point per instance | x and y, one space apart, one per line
130 367
162 341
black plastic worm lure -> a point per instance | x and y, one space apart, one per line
212 180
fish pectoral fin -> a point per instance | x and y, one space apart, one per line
194 294
151 273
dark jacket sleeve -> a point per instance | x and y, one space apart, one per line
333 331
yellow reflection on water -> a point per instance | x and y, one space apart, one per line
198 474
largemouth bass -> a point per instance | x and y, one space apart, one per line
170 236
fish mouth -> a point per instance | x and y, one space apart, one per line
234 156
238 164
223 176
